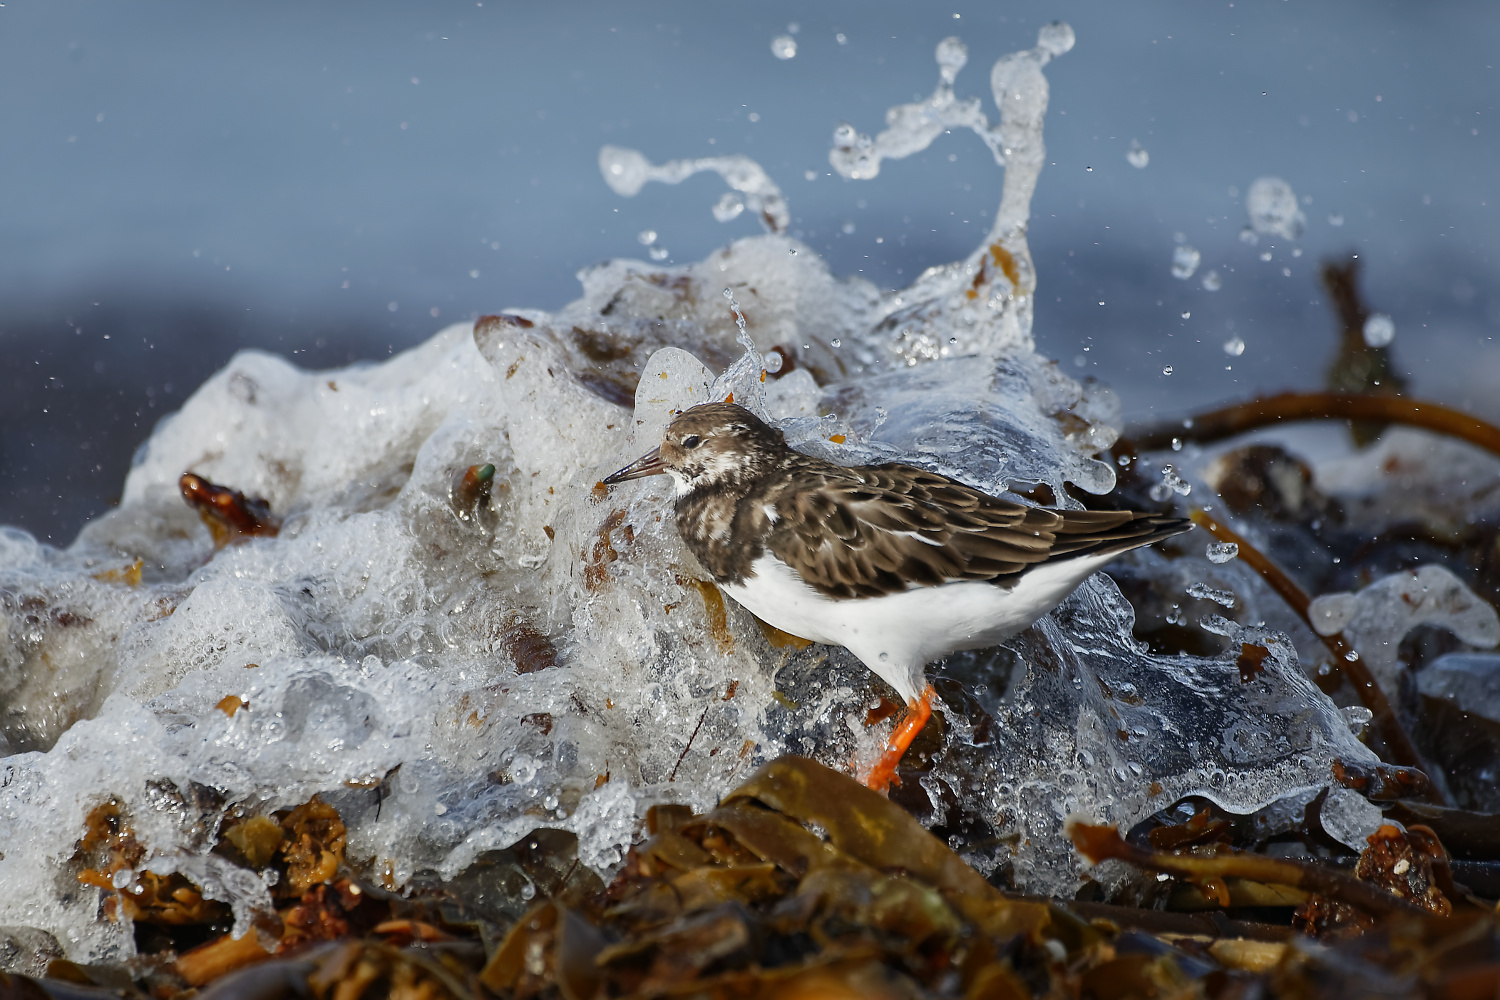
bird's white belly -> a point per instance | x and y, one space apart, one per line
896 635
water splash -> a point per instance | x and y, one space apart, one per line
554 657
1380 615
626 171
983 304
1114 732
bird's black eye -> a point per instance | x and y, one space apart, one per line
691 441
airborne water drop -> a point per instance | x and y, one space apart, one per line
1379 330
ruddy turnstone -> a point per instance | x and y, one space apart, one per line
900 565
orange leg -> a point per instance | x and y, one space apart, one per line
883 774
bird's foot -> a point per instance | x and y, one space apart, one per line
883 774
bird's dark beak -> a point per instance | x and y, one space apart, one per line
649 464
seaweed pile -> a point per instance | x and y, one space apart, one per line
801 883
370 686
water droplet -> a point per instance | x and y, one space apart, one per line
837 342
841 38
783 46
847 228
1089 169
522 769
1212 282
122 878
1380 330
1170 483
1204 592
1136 156
1335 219
773 362
1166 369
1187 314
528 890
659 253
624 170
1272 206
1221 552
951 56
1265 255
646 237
1234 347
1055 38
728 207
550 802
1185 260
793 251
1358 718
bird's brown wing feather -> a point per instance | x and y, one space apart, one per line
877 530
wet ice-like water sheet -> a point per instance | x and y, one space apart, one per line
451 675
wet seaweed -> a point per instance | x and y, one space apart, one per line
803 882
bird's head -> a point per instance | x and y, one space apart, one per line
708 445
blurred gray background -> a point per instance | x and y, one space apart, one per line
338 180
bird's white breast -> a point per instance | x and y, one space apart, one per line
896 635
